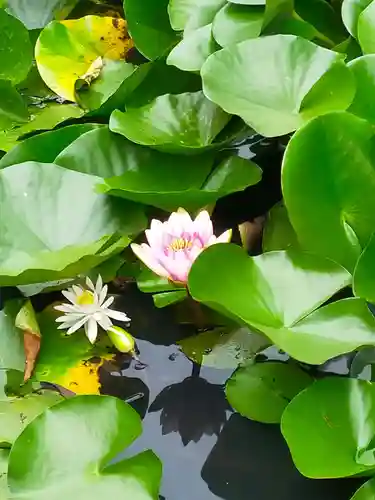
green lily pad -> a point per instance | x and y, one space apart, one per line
175 123
78 463
38 14
278 233
327 147
45 147
16 414
365 492
319 82
366 29
4 458
164 299
16 52
248 2
334 417
11 340
67 51
41 118
236 23
279 293
223 347
189 15
363 69
193 50
262 391
48 241
149 27
12 106
351 10
364 273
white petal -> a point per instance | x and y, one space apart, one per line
145 254
154 235
64 326
78 325
117 315
90 284
99 285
67 308
104 322
71 317
203 226
103 294
108 302
225 237
91 329
77 290
180 222
70 296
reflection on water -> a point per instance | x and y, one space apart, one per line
208 452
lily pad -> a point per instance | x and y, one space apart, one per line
366 30
223 347
175 123
236 23
12 106
149 27
37 14
66 50
11 340
16 414
4 458
49 241
351 10
279 293
79 462
278 233
44 147
262 391
328 147
364 273
41 118
365 492
16 53
363 69
189 15
319 83
334 417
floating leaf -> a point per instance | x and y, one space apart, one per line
366 30
165 299
79 461
335 185
45 147
38 14
351 10
279 294
16 52
334 417
365 492
363 69
364 273
58 240
192 14
15 414
149 26
223 348
236 23
193 50
12 106
175 123
65 50
262 391
278 233
317 84
11 341
41 118
4 458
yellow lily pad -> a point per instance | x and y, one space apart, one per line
67 50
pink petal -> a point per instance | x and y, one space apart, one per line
146 255
180 222
178 266
154 235
203 226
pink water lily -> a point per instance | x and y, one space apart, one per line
174 245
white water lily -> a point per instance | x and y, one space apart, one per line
89 308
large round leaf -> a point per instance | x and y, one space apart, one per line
366 492
262 391
315 81
79 438
366 29
15 49
154 178
364 273
334 417
177 123
44 147
12 106
363 69
328 183
236 23
36 15
54 225
279 293
351 10
278 233
11 340
149 26
192 14
66 50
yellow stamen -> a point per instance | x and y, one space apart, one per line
86 298
180 244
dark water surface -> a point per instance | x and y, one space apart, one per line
208 451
